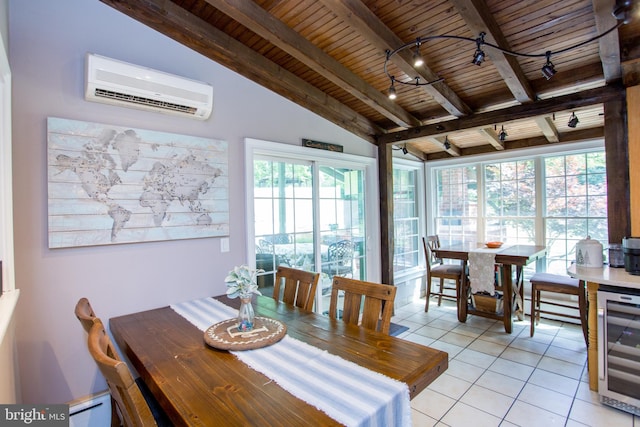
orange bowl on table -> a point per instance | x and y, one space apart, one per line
493 245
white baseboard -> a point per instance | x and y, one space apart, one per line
91 411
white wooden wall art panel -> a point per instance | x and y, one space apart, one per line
111 184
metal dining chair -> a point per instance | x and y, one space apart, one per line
340 259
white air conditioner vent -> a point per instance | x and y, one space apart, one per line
116 82
101 93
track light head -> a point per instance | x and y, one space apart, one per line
548 70
392 89
446 143
502 136
573 120
622 10
478 57
418 61
404 149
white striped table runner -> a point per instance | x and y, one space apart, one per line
347 392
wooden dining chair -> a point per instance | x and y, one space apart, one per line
87 317
298 287
436 268
378 303
85 314
121 407
132 405
555 283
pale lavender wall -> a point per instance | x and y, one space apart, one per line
48 42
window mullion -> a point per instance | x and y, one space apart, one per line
481 216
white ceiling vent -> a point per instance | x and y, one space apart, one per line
115 82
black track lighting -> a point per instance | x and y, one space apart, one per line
548 70
478 56
417 58
573 120
446 143
392 89
621 11
502 136
403 149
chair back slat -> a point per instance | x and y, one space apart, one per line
376 310
434 243
428 256
299 287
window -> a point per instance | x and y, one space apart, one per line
406 219
546 198
510 201
456 203
576 204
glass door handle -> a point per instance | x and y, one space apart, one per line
602 350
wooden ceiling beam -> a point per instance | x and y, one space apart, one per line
178 24
479 19
359 17
567 138
609 45
538 108
279 34
630 51
453 150
548 128
492 137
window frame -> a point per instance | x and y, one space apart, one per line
255 148
536 153
417 167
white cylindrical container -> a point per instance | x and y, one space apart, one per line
589 253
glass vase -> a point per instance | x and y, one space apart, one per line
245 315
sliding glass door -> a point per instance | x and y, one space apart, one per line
283 217
309 214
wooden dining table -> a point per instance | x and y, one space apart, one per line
507 258
203 386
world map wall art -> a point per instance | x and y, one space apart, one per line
110 185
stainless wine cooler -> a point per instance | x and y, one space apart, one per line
619 348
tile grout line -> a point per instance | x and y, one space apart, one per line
498 356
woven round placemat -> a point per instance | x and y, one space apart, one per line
225 335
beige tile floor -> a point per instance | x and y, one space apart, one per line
500 379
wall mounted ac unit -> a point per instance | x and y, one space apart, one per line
115 82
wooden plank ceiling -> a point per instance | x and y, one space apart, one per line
329 57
